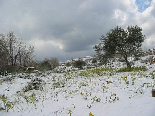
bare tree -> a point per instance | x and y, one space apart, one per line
16 52
3 53
27 55
11 44
54 62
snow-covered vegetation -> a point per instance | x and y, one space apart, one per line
110 90
118 81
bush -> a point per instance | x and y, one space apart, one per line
45 65
135 69
7 105
68 64
29 98
79 64
36 84
3 73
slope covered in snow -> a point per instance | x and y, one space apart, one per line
79 93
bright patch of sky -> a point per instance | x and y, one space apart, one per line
143 4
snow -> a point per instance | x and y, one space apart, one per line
109 94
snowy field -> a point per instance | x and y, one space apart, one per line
78 93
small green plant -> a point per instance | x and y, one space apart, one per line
152 75
6 103
125 78
83 83
59 84
1 82
33 98
29 98
133 80
70 112
90 114
113 97
95 99
108 82
82 93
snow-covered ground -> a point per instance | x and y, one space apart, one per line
70 94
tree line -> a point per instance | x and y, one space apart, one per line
15 54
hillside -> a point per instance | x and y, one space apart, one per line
102 91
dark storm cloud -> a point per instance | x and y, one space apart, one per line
65 28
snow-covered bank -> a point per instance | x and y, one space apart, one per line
70 93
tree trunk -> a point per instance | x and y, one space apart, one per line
153 92
127 62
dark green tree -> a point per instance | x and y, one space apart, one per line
45 65
120 42
79 64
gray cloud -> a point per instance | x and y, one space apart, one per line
69 28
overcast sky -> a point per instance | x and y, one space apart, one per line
70 28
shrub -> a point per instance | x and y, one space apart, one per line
59 84
36 84
79 64
7 79
3 73
7 105
152 74
135 69
29 98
